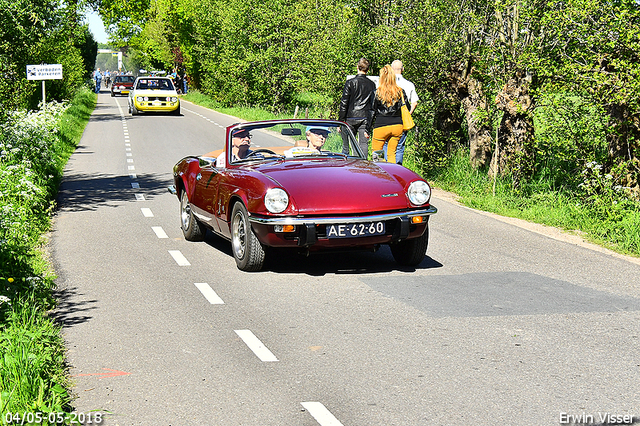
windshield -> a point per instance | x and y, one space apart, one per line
154 84
292 140
125 79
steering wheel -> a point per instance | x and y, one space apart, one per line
260 151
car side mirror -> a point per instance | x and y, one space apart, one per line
378 156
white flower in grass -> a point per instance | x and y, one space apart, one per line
5 299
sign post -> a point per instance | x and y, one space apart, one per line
44 72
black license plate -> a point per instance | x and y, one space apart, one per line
355 230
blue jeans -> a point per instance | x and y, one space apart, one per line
399 149
98 85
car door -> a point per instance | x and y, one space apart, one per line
205 196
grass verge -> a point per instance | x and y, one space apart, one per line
607 218
36 146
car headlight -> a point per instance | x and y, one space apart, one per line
276 200
174 99
146 98
419 192
139 99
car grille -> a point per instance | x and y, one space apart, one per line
158 98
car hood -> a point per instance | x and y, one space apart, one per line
329 187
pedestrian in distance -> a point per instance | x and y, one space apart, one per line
410 90
387 121
98 79
184 83
356 106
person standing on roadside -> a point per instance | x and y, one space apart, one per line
387 121
410 90
356 106
98 78
184 82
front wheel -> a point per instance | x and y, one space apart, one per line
247 249
411 252
191 228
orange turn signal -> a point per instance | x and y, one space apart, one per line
285 228
417 219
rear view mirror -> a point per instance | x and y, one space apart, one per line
290 131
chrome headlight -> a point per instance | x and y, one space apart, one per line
419 192
139 99
174 99
276 200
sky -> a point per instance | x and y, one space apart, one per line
96 26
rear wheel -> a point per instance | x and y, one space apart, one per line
247 249
411 252
191 228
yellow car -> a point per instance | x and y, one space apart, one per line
151 94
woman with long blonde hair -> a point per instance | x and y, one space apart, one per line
387 116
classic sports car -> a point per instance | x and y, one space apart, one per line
301 184
153 94
122 84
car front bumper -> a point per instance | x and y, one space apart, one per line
310 232
161 106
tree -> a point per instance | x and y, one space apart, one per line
596 52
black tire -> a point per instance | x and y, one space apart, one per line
176 111
113 95
191 228
134 110
247 249
411 252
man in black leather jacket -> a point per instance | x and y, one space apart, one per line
356 106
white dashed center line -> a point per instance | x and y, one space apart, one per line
261 351
140 197
146 212
209 294
159 232
179 258
321 414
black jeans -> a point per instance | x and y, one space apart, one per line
358 127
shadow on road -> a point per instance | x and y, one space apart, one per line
288 261
71 311
89 191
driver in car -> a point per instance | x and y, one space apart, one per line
240 141
316 138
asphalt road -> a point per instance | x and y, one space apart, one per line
498 326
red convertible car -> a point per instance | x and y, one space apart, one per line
301 184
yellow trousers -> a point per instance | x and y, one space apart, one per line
390 134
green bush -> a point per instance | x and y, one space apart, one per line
34 146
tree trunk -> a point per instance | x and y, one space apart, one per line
624 146
476 110
478 124
515 153
449 123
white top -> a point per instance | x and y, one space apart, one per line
408 87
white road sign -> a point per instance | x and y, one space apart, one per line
44 72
